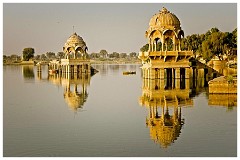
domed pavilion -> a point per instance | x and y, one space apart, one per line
74 45
75 57
164 57
163 27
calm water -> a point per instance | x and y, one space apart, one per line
104 115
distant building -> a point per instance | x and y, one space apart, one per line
75 58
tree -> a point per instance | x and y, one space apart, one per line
94 55
115 55
50 55
144 48
37 57
103 53
133 54
43 57
14 57
213 30
60 55
207 54
234 38
28 53
123 55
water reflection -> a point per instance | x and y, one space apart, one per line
164 120
75 87
226 100
165 95
105 69
27 72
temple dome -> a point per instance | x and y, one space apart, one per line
75 43
75 100
164 19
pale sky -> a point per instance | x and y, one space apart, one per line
114 27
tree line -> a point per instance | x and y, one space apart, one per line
212 43
28 54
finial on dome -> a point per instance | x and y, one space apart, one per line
164 10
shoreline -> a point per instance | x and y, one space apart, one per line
91 61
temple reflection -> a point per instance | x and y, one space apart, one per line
166 94
75 88
226 100
164 101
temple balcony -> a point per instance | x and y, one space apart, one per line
176 55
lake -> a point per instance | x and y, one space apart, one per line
108 115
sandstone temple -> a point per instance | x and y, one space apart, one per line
76 59
159 62
166 73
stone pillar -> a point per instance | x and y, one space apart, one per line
187 83
187 72
151 84
149 44
75 68
89 68
152 46
74 55
39 68
162 83
147 74
161 70
152 73
162 113
68 68
162 46
177 78
39 75
174 43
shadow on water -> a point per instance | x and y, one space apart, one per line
28 72
75 87
167 93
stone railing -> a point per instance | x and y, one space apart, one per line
166 53
171 53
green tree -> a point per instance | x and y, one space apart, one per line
133 54
234 38
116 55
14 58
123 55
207 54
103 53
37 57
28 53
60 55
43 57
50 55
94 55
144 48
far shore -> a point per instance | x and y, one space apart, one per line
121 61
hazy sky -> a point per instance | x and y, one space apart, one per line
114 27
